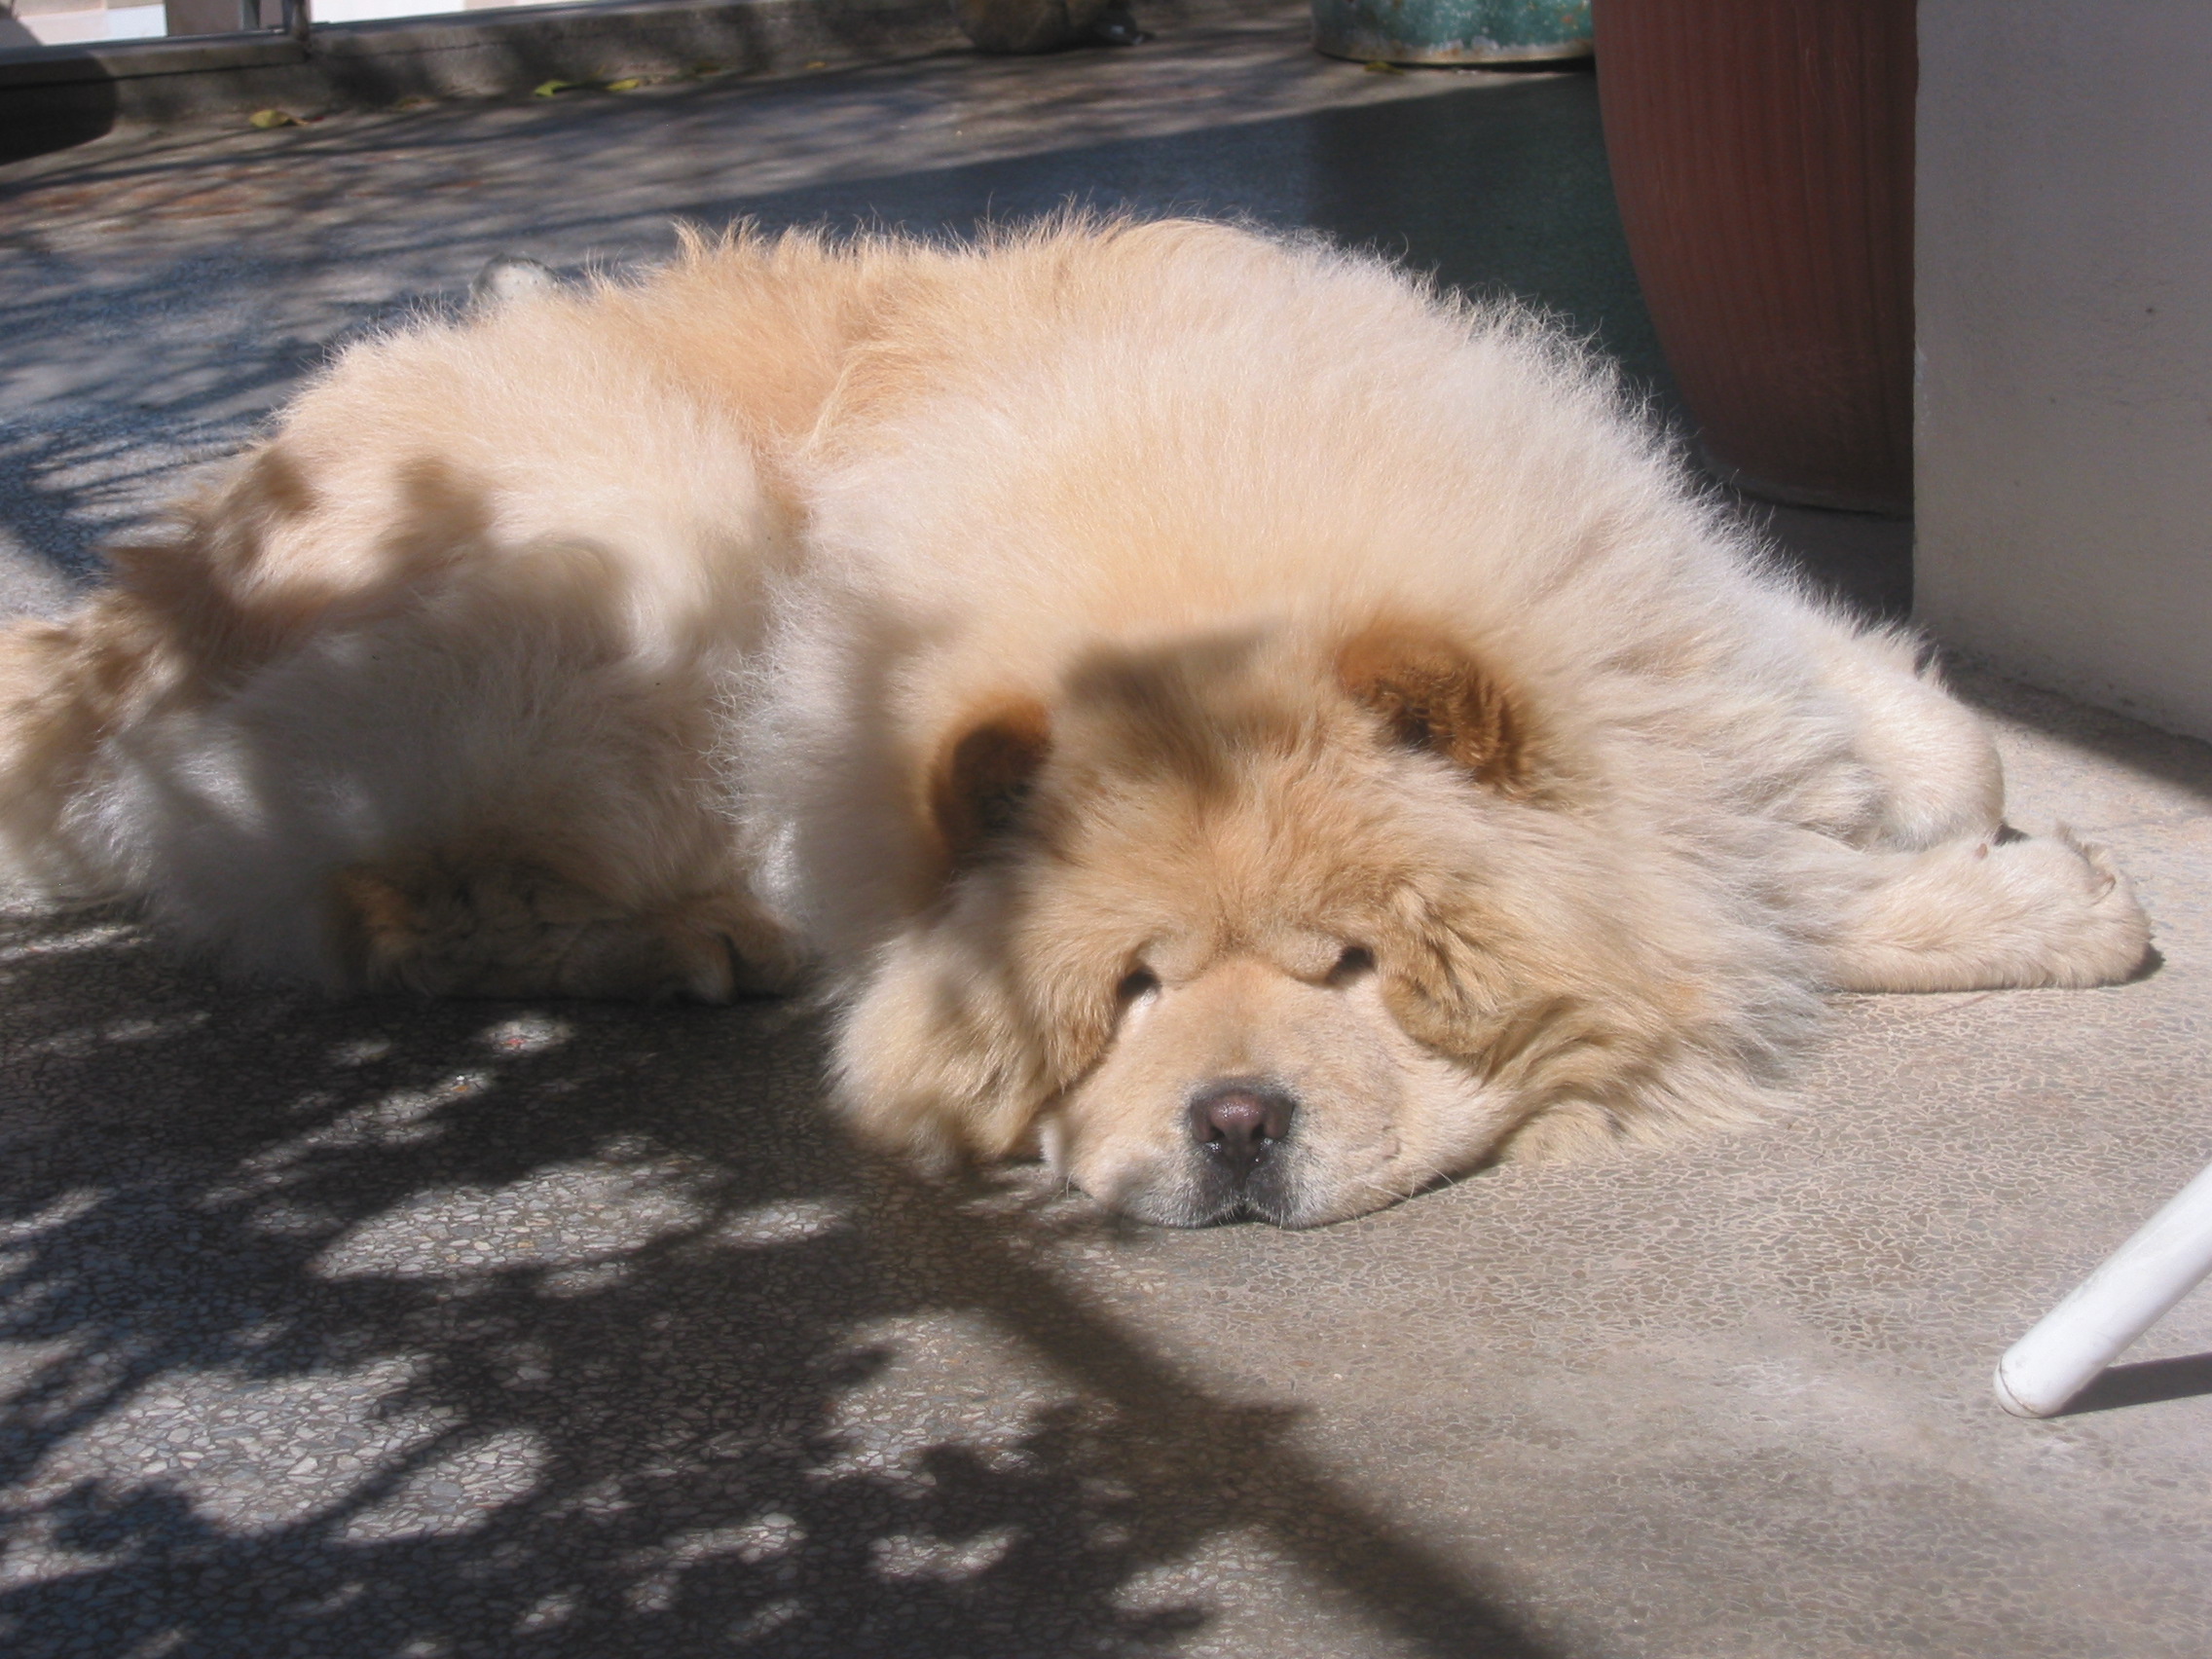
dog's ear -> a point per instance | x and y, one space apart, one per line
982 775
1435 695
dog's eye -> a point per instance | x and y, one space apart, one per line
1356 962
1137 982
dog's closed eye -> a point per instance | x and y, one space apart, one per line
1137 982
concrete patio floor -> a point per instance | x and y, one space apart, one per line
426 1330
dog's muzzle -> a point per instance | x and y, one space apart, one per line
1240 1125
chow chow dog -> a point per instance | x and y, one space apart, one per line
1204 710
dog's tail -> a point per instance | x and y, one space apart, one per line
67 689
177 620
47 732
62 687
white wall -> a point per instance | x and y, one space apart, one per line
2064 474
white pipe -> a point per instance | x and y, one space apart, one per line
2110 1308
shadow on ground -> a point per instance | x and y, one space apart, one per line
2145 1383
596 1283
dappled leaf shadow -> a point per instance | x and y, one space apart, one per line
403 1328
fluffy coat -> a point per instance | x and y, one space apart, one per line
1212 711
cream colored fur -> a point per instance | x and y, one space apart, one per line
1124 658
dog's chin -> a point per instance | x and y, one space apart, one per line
1160 1209
1202 1193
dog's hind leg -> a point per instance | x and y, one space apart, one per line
465 925
1934 893
1985 915
1935 770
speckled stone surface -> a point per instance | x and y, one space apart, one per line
424 1330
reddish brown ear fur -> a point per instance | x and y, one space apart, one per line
981 777
1434 696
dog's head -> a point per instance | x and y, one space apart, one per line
1265 926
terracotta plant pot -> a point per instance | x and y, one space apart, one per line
1763 157
1451 31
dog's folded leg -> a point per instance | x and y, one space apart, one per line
444 927
1987 915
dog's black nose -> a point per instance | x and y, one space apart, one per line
1237 1118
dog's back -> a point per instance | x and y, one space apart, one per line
420 693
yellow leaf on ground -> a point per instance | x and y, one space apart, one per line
549 88
629 84
268 118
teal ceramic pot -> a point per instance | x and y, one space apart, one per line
1451 31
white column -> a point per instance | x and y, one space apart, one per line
2064 295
